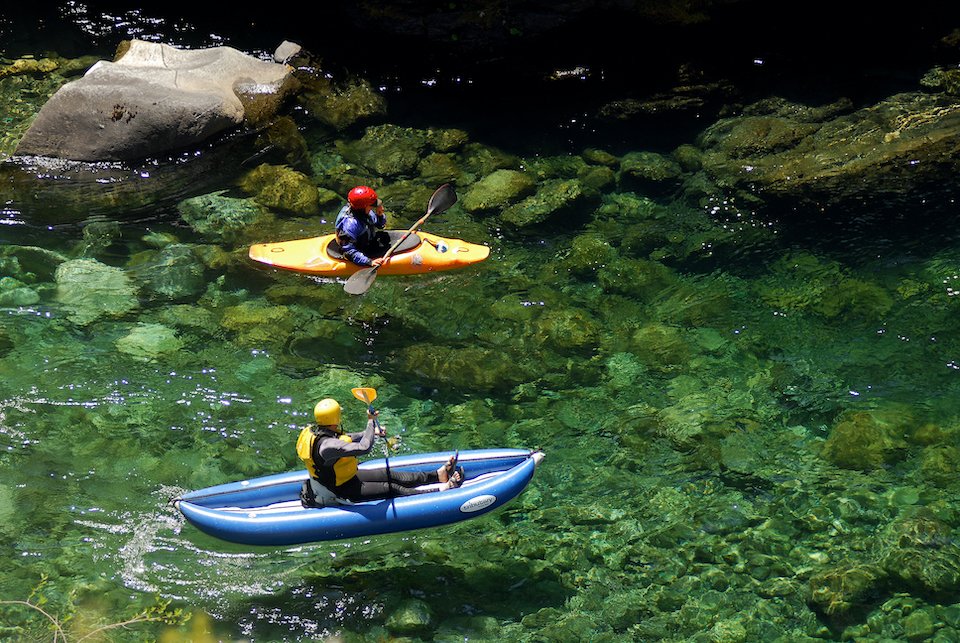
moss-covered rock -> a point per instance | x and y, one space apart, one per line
867 440
148 342
498 190
174 273
569 329
413 617
635 277
481 160
661 348
344 104
90 290
222 218
838 590
553 197
447 140
281 188
468 368
596 156
256 324
649 173
438 168
588 253
387 150
923 555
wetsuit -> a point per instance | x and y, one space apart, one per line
358 236
329 448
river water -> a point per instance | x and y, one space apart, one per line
750 414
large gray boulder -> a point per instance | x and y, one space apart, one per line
155 98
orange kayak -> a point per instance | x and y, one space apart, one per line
420 253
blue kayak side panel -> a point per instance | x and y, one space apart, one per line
267 511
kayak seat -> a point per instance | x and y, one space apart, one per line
315 495
411 242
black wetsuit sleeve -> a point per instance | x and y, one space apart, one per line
331 450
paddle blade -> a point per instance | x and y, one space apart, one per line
364 394
360 281
442 199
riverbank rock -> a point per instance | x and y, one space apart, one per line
155 98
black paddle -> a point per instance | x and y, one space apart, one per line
360 281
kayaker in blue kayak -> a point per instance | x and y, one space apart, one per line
358 227
330 456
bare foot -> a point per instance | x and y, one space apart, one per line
443 473
455 480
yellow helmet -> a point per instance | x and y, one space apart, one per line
327 412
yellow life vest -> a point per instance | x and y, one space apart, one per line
343 469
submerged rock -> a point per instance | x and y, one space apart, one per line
412 618
155 98
867 440
282 188
840 589
822 159
341 105
553 197
174 273
387 150
222 218
90 290
149 341
497 190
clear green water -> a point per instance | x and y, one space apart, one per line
751 430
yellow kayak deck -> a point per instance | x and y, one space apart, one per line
429 253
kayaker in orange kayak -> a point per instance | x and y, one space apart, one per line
359 227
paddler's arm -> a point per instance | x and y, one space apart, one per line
361 445
351 252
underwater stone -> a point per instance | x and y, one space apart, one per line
939 465
15 297
552 197
258 324
662 348
919 625
595 179
640 278
690 157
482 160
412 618
282 188
221 217
588 253
175 273
342 105
30 263
149 341
497 190
568 328
447 140
838 590
90 290
470 368
923 555
865 440
649 173
438 168
600 157
387 150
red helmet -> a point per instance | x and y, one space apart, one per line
362 198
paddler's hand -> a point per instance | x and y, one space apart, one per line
375 263
379 431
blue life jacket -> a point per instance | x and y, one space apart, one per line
357 236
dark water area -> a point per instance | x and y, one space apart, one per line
722 295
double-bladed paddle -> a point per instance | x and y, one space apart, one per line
360 281
368 395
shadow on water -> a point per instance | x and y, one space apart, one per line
74 191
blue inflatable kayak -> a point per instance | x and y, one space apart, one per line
267 510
